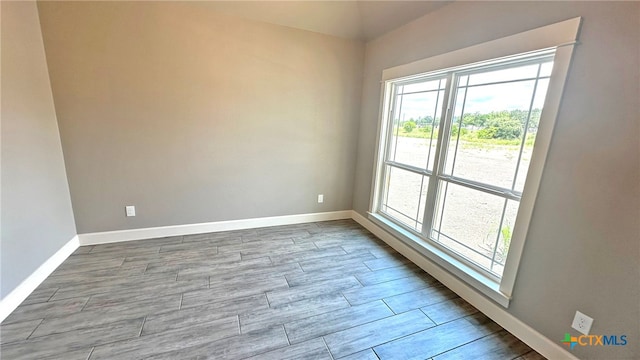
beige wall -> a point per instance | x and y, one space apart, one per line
582 250
193 117
37 218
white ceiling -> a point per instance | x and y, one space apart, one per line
352 19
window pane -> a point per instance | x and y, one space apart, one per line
455 124
515 73
432 127
504 237
394 129
415 128
422 86
468 222
404 196
527 149
546 68
491 132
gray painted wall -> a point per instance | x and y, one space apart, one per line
37 219
193 116
583 247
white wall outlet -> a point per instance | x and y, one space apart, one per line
130 210
320 198
582 323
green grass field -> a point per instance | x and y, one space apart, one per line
469 138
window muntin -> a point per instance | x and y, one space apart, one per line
411 153
469 196
416 111
405 196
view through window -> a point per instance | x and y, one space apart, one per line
458 148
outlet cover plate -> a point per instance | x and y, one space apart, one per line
582 323
130 210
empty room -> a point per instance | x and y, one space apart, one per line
320 180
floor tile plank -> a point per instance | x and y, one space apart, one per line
94 276
147 291
497 346
388 274
450 310
252 274
347 342
145 346
46 309
166 302
330 322
154 243
387 262
61 343
362 355
235 264
277 315
17 331
209 247
436 340
310 277
114 284
235 347
336 262
222 291
83 250
180 319
75 264
40 295
284 296
307 255
385 290
309 350
189 316
218 239
416 299
187 264
87 319
531 355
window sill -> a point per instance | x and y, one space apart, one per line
472 277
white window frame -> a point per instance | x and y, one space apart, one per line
560 36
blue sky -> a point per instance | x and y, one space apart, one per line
484 99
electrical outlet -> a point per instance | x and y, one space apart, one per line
582 323
320 198
130 210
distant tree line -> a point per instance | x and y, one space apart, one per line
505 124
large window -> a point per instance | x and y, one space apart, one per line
457 176
456 147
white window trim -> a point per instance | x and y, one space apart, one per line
562 36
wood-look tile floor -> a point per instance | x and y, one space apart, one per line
327 290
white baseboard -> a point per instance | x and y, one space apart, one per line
548 348
22 291
188 229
